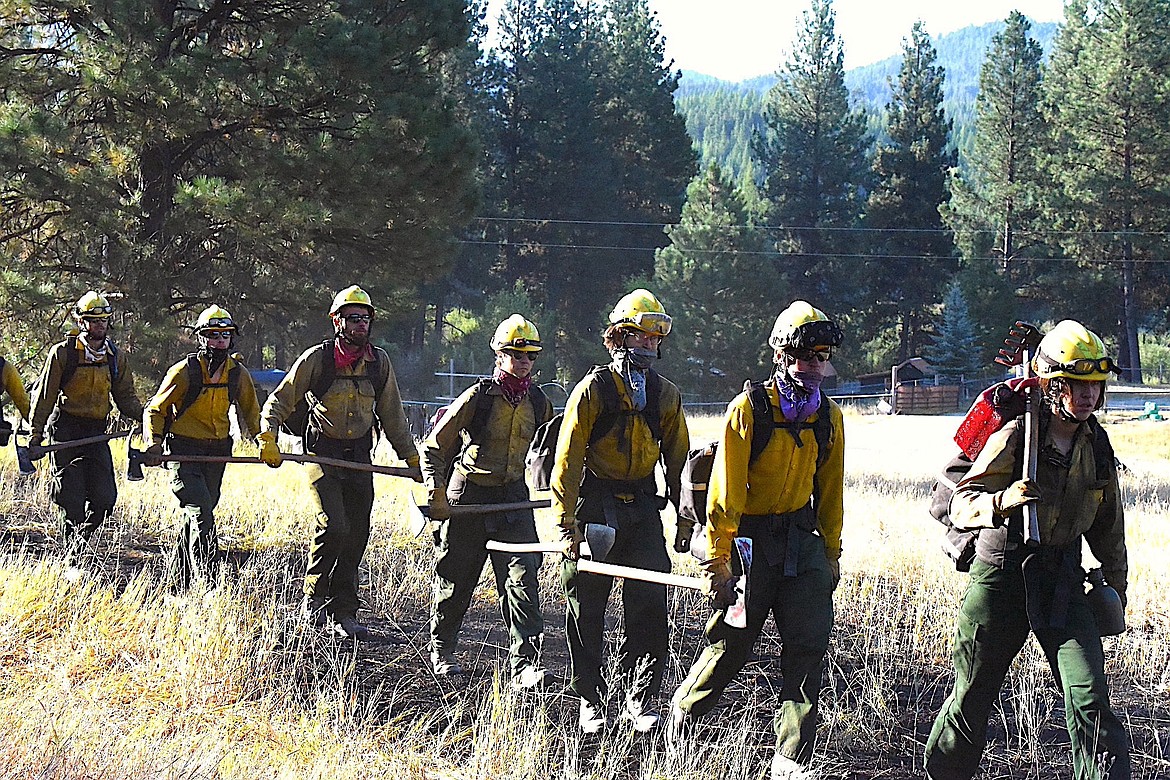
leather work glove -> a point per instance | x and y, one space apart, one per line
682 535
720 583
415 470
269 453
572 536
1014 496
35 450
835 572
440 506
152 455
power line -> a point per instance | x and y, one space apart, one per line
962 231
820 255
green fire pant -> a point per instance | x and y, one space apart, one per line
197 486
460 556
345 499
992 628
82 478
802 608
638 542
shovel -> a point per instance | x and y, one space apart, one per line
600 538
420 514
135 463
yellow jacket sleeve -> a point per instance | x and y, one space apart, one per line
47 389
581 412
290 391
12 385
248 405
169 396
393 418
445 441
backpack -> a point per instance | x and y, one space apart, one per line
72 362
696 471
483 410
195 387
297 422
995 407
542 452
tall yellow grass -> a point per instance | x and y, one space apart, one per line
107 675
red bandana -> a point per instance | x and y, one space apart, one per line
344 358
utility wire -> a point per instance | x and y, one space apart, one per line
964 231
782 255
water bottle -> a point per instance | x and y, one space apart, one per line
1106 605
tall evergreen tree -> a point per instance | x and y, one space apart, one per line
994 208
720 289
812 154
912 244
1108 96
184 152
590 144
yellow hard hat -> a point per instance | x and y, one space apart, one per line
1073 351
516 333
803 326
215 318
352 295
642 311
93 305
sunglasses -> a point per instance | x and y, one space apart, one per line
354 319
1086 366
516 354
809 355
216 334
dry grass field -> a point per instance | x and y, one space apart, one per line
104 674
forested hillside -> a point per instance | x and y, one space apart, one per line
722 116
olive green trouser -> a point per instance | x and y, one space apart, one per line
992 628
460 556
638 542
802 608
82 477
345 499
197 486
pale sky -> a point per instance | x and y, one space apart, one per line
739 39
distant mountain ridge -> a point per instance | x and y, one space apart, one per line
722 115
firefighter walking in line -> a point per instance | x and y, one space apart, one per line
619 421
10 383
786 494
81 375
1016 588
481 442
349 385
189 416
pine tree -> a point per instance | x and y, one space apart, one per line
913 246
812 154
720 289
994 208
245 151
955 353
590 143
1108 97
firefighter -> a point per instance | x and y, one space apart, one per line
788 499
10 383
481 442
359 390
81 375
620 420
189 415
1017 588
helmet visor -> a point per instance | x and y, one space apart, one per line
523 345
652 322
96 311
1087 366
